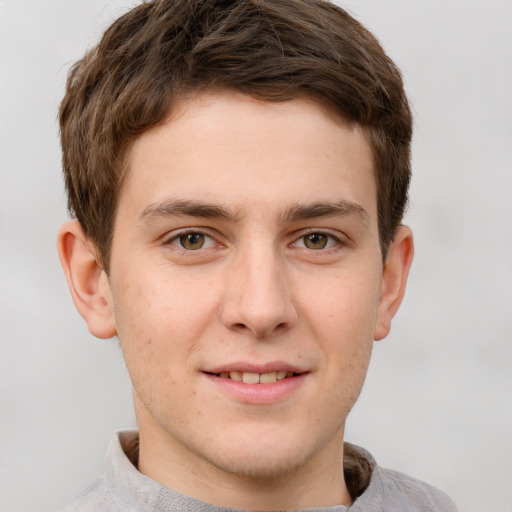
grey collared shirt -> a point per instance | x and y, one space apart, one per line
123 488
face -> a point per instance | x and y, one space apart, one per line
245 281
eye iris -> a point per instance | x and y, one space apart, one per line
315 241
192 241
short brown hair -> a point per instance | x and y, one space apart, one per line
274 50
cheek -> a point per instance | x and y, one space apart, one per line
159 323
344 307
343 321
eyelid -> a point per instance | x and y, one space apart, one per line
176 234
339 238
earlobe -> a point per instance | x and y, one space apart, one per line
394 280
87 281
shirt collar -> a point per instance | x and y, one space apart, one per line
127 486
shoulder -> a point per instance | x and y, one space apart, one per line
392 490
94 499
381 490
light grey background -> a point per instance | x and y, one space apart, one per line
437 401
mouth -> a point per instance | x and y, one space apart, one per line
255 378
257 384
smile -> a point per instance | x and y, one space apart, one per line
255 378
258 383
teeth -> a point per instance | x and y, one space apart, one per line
251 378
256 378
267 378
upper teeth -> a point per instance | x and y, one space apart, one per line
256 378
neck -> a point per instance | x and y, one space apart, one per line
318 482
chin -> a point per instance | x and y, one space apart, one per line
266 467
262 457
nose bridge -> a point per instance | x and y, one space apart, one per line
258 297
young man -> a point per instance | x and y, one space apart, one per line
238 171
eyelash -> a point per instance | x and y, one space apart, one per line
177 236
332 241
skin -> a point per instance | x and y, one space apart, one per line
258 291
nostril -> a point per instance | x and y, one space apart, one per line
260 331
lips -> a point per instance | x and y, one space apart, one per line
257 384
248 373
255 377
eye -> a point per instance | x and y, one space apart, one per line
192 241
317 241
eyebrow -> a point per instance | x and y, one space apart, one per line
299 212
170 208
295 213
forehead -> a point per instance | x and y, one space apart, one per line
239 152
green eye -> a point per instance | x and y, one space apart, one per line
316 241
192 241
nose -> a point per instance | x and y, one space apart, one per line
258 297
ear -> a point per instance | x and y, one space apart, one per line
394 279
87 281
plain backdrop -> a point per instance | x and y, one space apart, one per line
437 400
